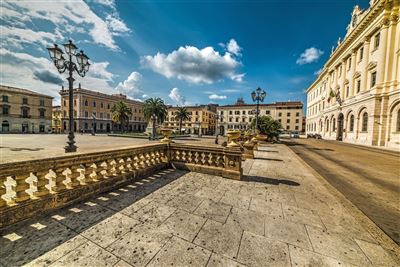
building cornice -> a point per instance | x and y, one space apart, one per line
101 95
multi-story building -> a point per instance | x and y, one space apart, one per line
56 119
240 115
356 97
92 111
24 111
201 117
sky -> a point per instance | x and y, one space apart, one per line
186 52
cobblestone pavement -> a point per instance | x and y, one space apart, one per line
18 147
279 215
369 178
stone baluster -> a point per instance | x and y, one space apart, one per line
111 167
190 157
157 157
20 187
153 158
40 183
119 167
128 164
3 190
73 177
136 161
101 170
87 171
142 161
148 162
58 180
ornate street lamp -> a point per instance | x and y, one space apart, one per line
78 62
257 96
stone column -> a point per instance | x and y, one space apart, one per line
353 70
233 163
364 74
381 64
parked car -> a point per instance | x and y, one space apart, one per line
317 136
295 135
284 135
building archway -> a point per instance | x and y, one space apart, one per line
5 126
340 123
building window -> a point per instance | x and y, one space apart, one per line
296 127
86 125
237 119
347 91
94 103
5 98
373 79
86 103
364 127
244 112
108 106
237 112
5 110
297 120
288 120
288 114
351 126
349 66
41 113
361 54
25 113
41 102
287 127
267 112
86 114
297 114
279 114
279 120
358 86
334 124
101 115
101 105
398 121
230 112
377 39
25 101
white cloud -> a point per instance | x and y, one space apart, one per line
40 75
215 96
176 96
310 55
318 72
64 16
131 86
233 47
230 90
194 65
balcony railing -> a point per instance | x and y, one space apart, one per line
28 188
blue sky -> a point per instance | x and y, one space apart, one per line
187 52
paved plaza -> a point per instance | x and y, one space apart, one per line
18 147
281 214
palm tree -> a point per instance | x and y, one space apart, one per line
155 109
120 113
182 115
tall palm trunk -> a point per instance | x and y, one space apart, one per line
154 128
180 126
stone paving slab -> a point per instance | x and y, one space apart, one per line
279 215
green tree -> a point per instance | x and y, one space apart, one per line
155 109
182 114
268 126
120 113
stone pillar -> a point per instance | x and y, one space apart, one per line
381 64
233 163
353 70
364 74
343 85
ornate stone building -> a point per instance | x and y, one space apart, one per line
201 117
56 119
356 97
24 111
240 115
92 111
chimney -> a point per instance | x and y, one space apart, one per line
79 86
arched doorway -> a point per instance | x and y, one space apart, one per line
5 127
340 122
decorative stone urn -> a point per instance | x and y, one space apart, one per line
254 140
166 132
233 136
248 147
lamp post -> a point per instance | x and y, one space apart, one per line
78 62
154 119
257 96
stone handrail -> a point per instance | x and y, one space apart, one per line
30 187
221 161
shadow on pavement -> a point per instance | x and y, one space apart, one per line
23 242
269 159
272 181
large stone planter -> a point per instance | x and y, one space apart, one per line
166 132
233 137
248 149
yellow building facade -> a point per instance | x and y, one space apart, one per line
240 115
56 119
356 97
202 119
24 111
92 112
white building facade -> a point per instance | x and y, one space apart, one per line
356 97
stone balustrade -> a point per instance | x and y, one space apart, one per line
28 188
